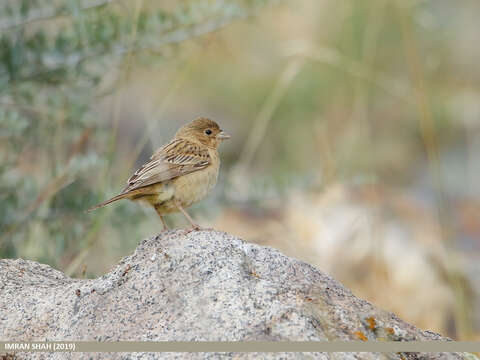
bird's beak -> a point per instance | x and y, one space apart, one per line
222 136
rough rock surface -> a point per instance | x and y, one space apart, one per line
200 286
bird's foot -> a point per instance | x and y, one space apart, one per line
194 227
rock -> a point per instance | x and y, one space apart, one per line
200 286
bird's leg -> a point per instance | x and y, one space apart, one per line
180 207
157 209
165 227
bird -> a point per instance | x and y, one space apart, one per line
178 174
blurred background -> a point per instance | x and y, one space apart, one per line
355 136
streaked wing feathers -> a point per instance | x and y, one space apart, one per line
179 157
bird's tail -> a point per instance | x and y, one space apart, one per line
115 198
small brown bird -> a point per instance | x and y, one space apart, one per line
180 173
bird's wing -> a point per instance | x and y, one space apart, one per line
179 157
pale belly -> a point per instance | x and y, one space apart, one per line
193 187
186 189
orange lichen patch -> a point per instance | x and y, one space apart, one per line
390 331
360 335
253 273
125 272
372 324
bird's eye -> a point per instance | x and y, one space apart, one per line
208 132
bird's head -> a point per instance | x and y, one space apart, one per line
203 130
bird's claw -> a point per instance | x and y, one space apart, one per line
196 227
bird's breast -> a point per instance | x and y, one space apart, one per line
193 187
